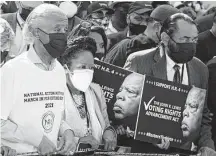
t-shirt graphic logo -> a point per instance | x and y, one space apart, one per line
148 104
47 121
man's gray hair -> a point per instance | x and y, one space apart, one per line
39 12
170 24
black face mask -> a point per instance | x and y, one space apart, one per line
137 29
57 44
181 52
24 13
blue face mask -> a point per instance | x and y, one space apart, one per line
57 44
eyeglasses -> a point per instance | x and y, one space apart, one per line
138 18
186 40
84 25
150 19
81 67
101 14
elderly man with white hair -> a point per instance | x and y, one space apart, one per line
33 86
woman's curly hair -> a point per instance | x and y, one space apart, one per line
80 31
77 45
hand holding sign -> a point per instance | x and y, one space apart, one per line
90 140
165 143
110 140
67 143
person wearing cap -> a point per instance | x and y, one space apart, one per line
204 22
174 61
70 9
136 19
99 13
206 43
17 21
118 21
149 39
155 4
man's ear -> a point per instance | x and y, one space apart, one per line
157 26
34 31
165 38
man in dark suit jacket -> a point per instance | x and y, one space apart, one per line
174 61
204 22
206 47
211 94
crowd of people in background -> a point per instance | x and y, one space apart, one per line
50 46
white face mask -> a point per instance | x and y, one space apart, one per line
81 79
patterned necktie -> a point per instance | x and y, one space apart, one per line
176 77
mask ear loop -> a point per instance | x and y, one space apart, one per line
42 32
172 38
67 69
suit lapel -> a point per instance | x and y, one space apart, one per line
193 75
159 68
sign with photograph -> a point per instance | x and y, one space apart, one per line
149 108
170 110
110 78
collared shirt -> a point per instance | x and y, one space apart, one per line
34 58
212 32
18 40
171 70
128 33
111 29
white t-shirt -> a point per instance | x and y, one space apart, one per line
33 99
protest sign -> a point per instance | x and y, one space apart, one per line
149 108
110 78
170 110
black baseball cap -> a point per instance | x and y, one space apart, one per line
140 7
118 3
162 12
98 6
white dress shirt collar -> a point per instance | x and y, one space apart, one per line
171 63
34 58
